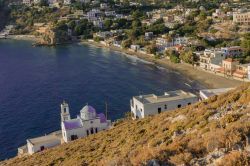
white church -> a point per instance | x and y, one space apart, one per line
88 122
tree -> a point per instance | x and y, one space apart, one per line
173 55
72 24
245 45
134 33
188 57
136 23
108 23
152 49
126 43
137 14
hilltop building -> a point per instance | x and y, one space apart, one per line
38 144
206 93
88 122
144 105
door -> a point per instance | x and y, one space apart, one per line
42 148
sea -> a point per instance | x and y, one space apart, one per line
34 81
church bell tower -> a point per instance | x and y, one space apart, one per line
65 115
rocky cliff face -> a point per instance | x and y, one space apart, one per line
215 131
54 36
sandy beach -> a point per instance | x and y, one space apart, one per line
209 80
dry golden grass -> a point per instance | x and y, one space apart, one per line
135 142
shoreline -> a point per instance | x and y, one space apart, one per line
209 80
23 37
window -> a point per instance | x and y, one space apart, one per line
189 103
91 131
96 130
179 106
65 110
159 110
165 106
141 110
87 132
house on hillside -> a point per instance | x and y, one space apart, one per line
232 52
206 93
27 2
242 18
145 105
39 144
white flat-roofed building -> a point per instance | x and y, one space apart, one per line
206 93
41 143
144 105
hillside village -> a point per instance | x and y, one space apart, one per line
214 39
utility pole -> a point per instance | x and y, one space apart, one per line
106 109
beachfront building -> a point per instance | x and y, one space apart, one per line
211 60
134 47
164 43
242 71
229 66
206 93
144 105
88 122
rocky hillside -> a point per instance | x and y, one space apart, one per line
215 131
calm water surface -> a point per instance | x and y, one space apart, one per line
34 81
